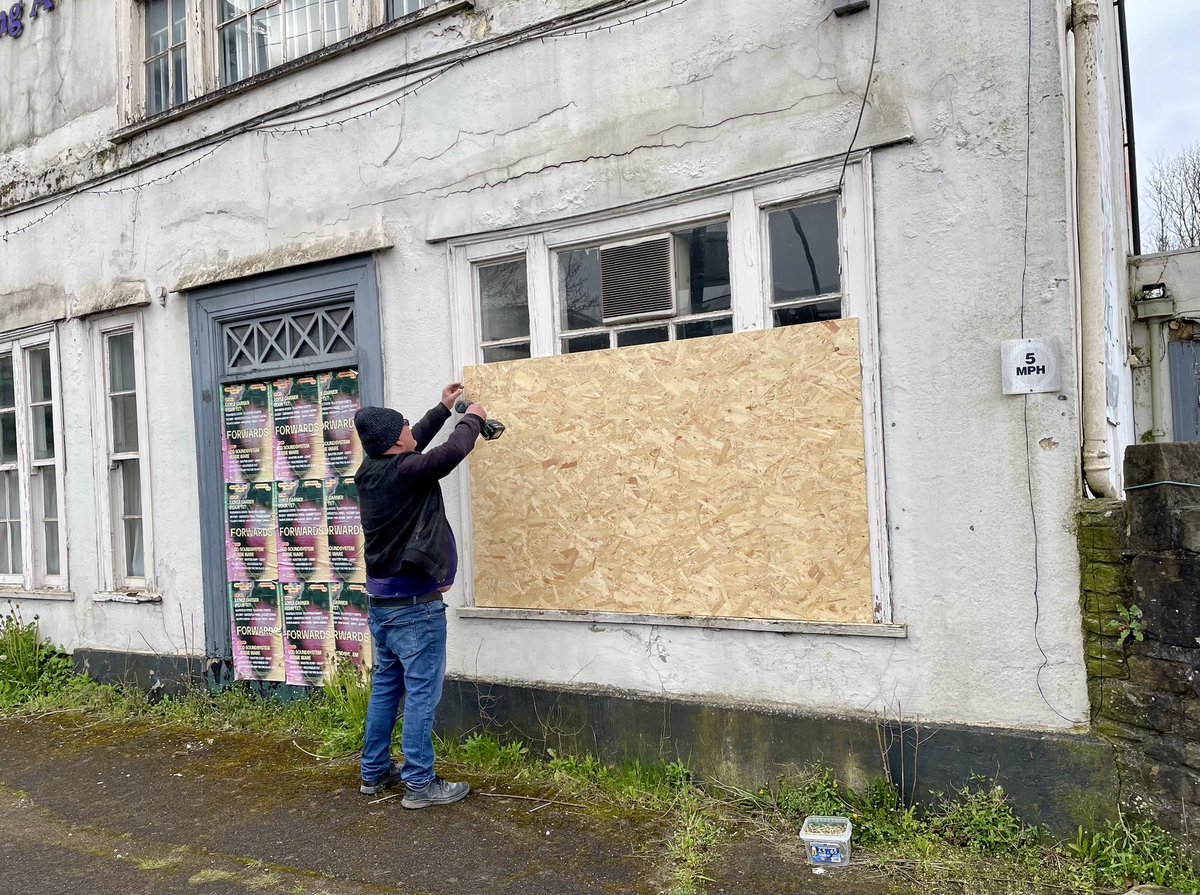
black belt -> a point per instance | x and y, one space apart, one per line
392 602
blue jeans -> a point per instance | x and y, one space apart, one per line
410 663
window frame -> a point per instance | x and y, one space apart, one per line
746 205
114 578
33 575
218 25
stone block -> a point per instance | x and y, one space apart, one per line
1153 520
1187 527
1167 590
1178 678
1128 703
1104 578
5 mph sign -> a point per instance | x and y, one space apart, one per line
1029 366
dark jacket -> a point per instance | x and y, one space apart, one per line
400 499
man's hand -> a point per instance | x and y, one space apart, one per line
452 393
478 411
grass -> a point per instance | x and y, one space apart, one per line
965 841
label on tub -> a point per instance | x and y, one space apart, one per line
826 854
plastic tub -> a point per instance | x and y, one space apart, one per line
827 840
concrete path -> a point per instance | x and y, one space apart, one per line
125 810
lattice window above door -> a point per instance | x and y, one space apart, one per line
307 335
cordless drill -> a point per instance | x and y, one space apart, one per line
492 429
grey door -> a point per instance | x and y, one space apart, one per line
307 320
1184 359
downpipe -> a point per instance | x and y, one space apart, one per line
1097 458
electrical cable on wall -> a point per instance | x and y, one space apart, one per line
866 92
1037 600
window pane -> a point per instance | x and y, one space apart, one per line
821 310
235 58
8 393
267 39
18 561
585 343
179 76
14 496
52 566
804 251
124 423
49 493
579 288
642 336
504 300
121 377
43 432
303 26
231 8
157 91
131 488
156 27
134 561
337 20
397 8
494 353
702 269
8 437
178 21
4 567
41 379
700 328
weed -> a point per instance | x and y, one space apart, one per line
1130 625
30 667
982 821
1120 854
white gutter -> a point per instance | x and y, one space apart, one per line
1097 459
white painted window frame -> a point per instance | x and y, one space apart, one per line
33 575
203 56
746 207
114 578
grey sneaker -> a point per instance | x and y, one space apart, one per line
388 780
436 792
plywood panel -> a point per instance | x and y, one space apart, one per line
710 477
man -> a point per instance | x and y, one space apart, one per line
411 560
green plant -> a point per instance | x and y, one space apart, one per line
30 666
1122 854
879 815
981 820
345 696
1129 625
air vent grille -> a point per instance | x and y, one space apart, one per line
636 281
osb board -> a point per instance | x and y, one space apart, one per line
711 477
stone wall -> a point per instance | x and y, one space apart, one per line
1141 579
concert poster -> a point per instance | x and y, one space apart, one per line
296 406
352 637
346 559
250 539
257 631
247 444
303 540
339 402
308 632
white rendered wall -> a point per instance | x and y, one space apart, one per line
538 133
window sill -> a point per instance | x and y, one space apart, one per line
681 621
9 592
350 44
126 596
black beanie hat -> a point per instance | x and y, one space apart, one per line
378 429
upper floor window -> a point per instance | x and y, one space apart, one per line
165 54
255 35
31 553
805 275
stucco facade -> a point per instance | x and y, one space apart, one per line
524 118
